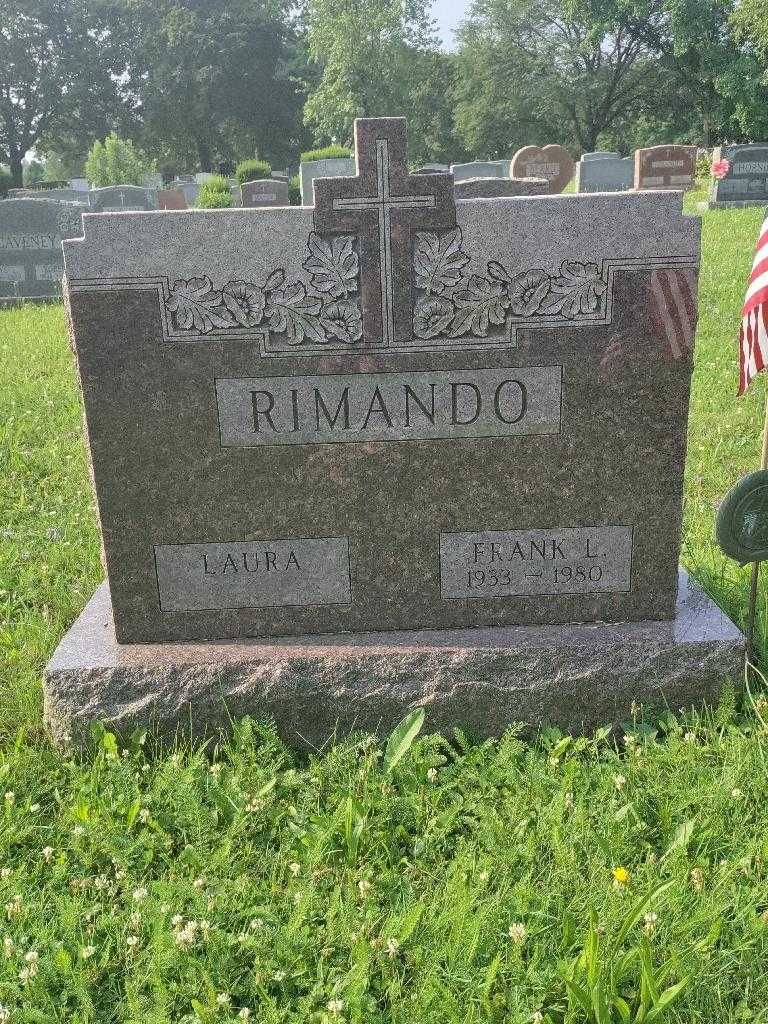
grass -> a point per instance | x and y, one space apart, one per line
454 886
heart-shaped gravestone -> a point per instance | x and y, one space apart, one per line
551 162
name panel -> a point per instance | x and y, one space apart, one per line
389 406
253 574
586 560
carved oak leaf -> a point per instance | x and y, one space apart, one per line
292 312
196 304
577 290
480 304
333 265
342 320
438 260
432 315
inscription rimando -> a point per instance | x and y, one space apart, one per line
389 406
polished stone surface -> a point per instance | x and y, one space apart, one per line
389 367
573 676
665 167
171 199
311 169
480 169
31 233
264 192
496 188
604 172
554 163
121 198
746 183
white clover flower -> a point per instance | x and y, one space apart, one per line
244 1014
364 886
690 737
222 999
484 876
620 782
34 808
649 922
144 814
176 920
517 932
199 883
297 897
135 920
335 1005
735 792
10 798
48 854
78 831
257 922
392 947
279 976
432 774
140 894
5 1015
31 957
87 952
568 804
294 868
132 942
14 907
6 872
205 929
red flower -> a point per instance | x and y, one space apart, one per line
720 169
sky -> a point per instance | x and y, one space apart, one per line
448 14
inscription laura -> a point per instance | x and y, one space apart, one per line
389 406
253 574
515 563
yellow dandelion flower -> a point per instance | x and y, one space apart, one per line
620 876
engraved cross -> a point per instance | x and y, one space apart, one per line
383 205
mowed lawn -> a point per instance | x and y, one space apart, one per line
561 881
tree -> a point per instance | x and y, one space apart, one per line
378 58
58 58
531 69
215 79
117 161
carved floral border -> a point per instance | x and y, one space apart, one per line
320 312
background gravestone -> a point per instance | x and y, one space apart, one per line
551 162
171 199
665 167
265 192
117 198
604 172
746 183
31 232
432 169
189 188
363 416
496 188
321 169
480 169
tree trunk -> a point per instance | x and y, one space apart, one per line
204 154
17 171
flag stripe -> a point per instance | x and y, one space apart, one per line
753 333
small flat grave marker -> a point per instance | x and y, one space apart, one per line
264 192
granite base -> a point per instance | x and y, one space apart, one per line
574 676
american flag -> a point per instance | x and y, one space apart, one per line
673 309
753 335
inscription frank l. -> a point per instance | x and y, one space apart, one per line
389 406
253 574
586 560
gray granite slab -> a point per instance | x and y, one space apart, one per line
389 367
577 677
665 167
496 188
31 232
747 180
339 167
480 169
604 172
264 192
122 198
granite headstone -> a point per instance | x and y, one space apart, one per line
746 183
551 162
171 199
496 188
604 172
189 188
665 167
480 169
122 199
31 233
264 192
311 169
387 412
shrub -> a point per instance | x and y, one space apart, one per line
326 153
214 194
294 191
117 161
5 183
252 170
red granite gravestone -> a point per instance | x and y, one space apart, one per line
665 167
551 162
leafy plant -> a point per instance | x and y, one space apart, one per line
401 739
214 194
294 191
325 153
252 170
117 161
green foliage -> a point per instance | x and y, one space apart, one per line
326 153
214 194
294 191
5 183
117 161
252 170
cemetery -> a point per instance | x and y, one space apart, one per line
383 619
